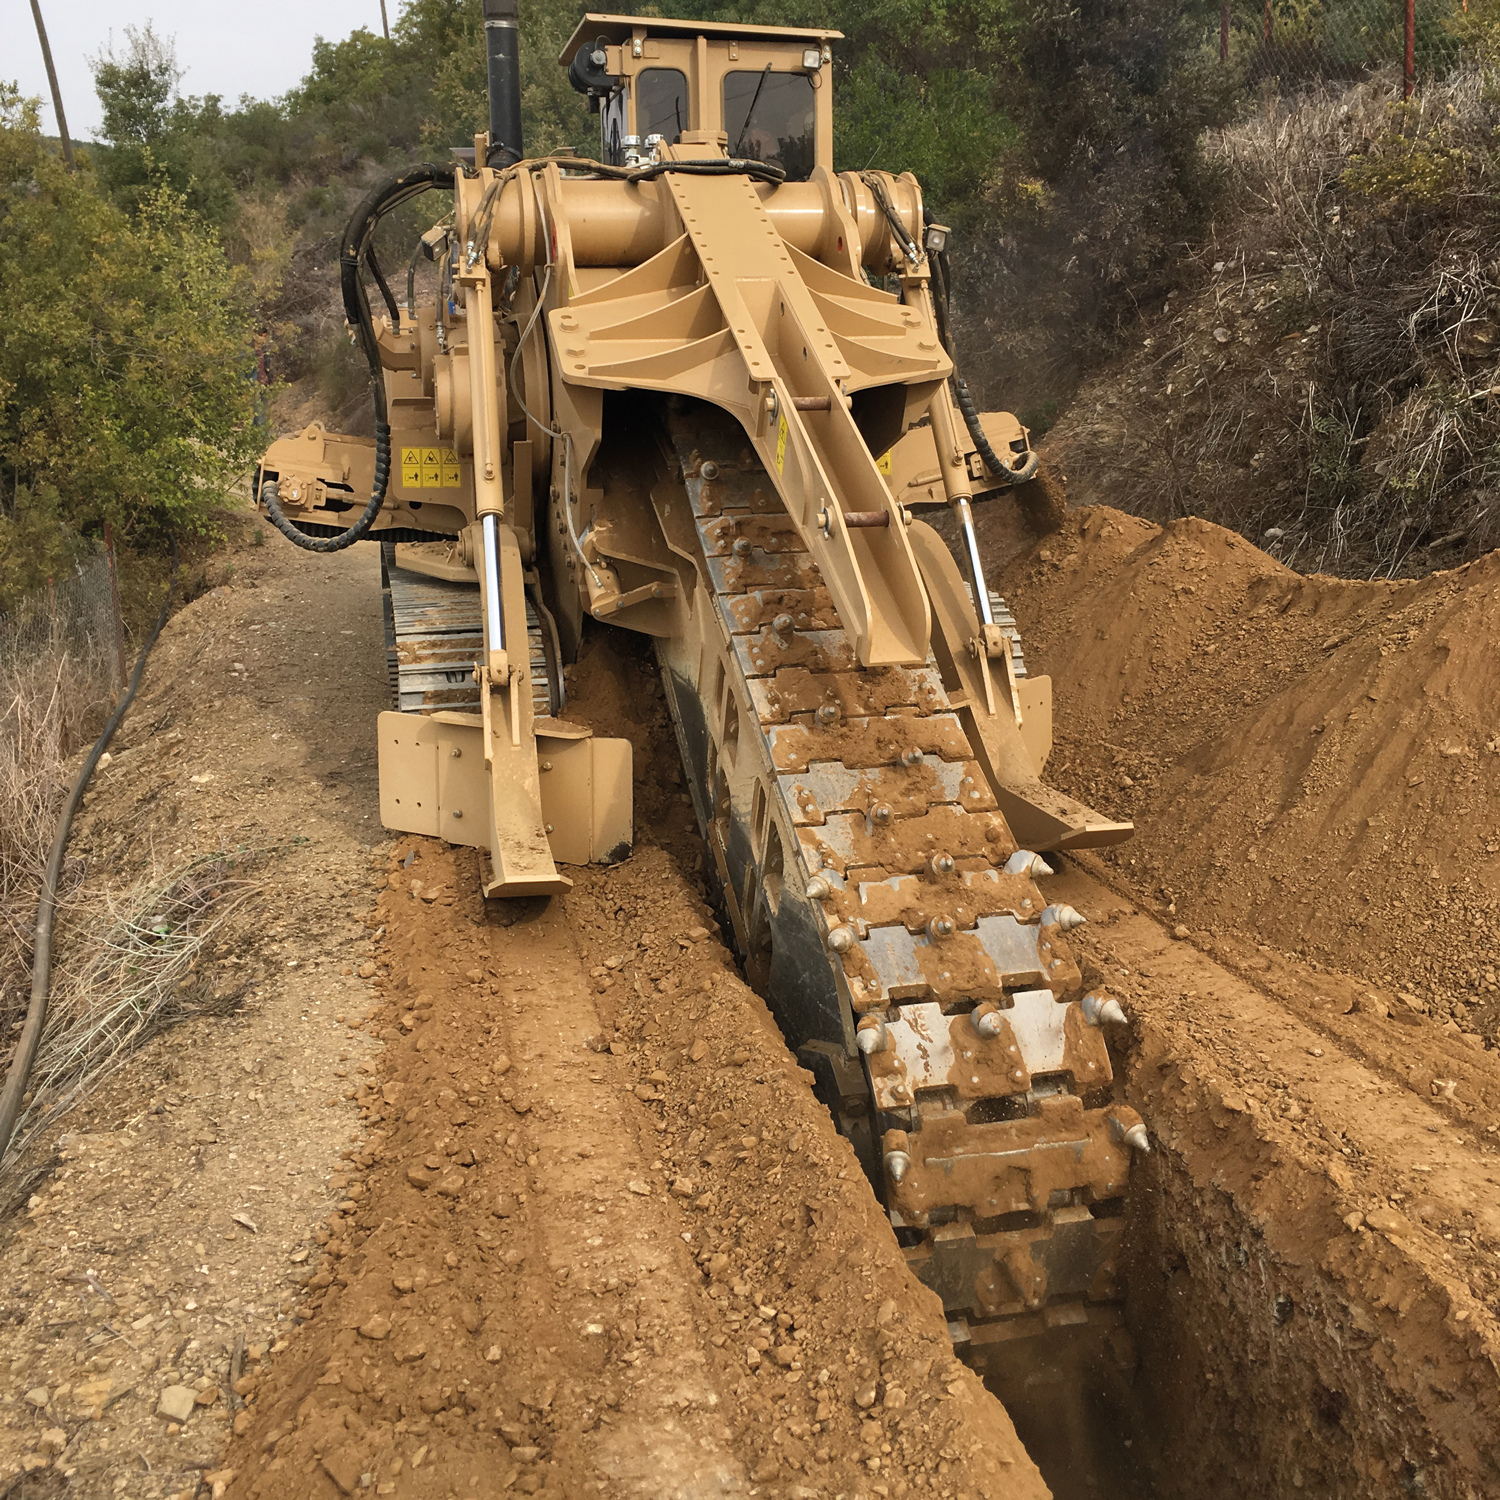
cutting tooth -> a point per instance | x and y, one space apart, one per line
871 1035
940 927
987 1021
818 889
841 939
941 864
1097 1009
1024 862
1137 1139
1064 917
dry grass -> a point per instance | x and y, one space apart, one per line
1385 216
126 973
126 956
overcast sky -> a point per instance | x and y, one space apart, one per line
228 47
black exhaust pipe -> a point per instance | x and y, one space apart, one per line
502 46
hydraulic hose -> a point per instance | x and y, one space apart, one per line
14 1092
355 252
961 397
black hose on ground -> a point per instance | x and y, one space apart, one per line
14 1092
354 252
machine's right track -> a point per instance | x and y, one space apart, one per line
875 890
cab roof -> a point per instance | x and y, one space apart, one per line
616 29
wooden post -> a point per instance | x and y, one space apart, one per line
1410 86
57 105
1224 32
116 613
385 25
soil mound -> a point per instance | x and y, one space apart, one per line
1309 759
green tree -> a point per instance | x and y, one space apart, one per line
127 353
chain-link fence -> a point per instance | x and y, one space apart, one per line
1294 42
77 615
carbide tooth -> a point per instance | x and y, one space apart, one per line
940 864
987 1020
1024 862
1097 1009
872 1035
783 625
1066 918
1137 1139
911 757
880 813
940 927
827 713
841 939
818 889
897 1158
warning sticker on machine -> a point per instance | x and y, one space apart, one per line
430 469
780 444
883 463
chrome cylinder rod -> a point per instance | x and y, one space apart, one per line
976 568
494 618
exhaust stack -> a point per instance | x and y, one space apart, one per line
502 19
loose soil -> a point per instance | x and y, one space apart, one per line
541 1203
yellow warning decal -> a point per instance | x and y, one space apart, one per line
780 443
883 463
430 469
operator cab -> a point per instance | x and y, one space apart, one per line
758 92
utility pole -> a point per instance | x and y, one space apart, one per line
385 25
57 107
1410 81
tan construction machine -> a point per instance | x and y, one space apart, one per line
702 388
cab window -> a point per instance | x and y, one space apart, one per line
661 103
771 117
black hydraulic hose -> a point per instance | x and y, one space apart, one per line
354 251
14 1092
961 396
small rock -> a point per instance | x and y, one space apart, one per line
864 1396
474 976
367 970
207 1396
699 1050
1388 1221
638 1187
470 1316
767 1469
342 1467
403 1284
38 1396
378 1327
245 1222
420 1176
500 1066
1222 335
683 1188
176 1403
53 1440
1353 1221
451 1183
1180 932
526 1454
493 1354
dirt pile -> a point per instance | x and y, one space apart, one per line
1310 760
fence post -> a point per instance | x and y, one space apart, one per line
117 615
1411 50
1224 32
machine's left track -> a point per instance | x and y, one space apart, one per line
433 636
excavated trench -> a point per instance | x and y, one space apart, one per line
1263 1347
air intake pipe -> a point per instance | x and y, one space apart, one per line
502 46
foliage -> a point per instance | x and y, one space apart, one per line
126 357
